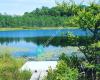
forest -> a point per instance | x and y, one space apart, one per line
43 17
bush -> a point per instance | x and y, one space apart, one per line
62 72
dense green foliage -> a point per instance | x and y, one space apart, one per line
44 17
63 14
10 68
31 20
62 72
87 18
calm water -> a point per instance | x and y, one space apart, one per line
42 44
40 33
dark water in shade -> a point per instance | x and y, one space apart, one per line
36 42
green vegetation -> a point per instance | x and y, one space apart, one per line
45 17
34 28
64 14
31 20
62 72
10 68
87 18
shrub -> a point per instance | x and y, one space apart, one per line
62 72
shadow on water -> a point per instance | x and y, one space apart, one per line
56 41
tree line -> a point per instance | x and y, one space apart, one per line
42 17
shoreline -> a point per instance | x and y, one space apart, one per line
36 28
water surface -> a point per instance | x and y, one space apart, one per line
40 44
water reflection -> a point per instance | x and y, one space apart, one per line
31 43
34 47
56 41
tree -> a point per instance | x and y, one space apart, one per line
89 20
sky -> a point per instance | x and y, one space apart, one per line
18 7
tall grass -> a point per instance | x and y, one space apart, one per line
9 68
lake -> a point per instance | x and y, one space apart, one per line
38 44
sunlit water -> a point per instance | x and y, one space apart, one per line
37 43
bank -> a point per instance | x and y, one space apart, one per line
34 28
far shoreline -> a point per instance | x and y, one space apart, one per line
35 28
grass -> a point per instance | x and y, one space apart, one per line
9 68
4 49
35 28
